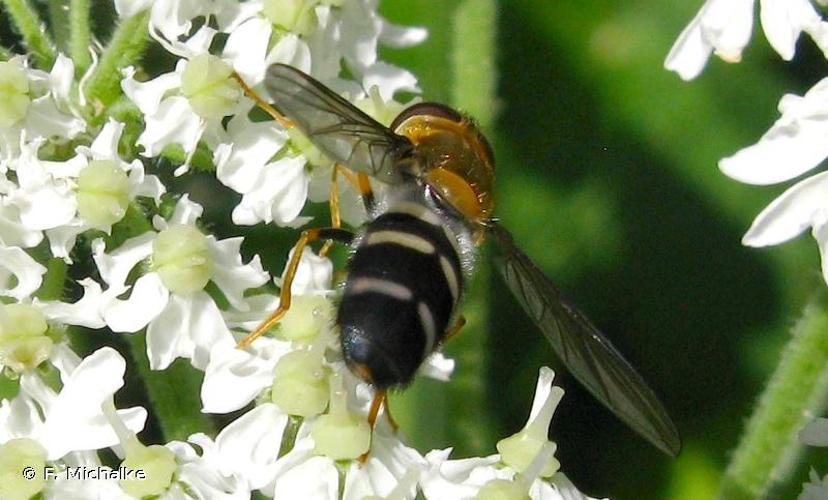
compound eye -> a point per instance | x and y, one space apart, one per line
427 109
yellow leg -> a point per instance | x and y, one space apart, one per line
455 329
283 121
333 200
373 414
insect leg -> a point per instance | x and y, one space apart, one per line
279 117
365 190
309 235
458 325
333 200
373 414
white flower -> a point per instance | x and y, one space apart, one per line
91 190
42 105
187 105
183 319
815 433
70 420
793 146
724 27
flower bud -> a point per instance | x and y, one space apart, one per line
296 16
158 464
181 256
21 469
300 381
207 83
23 340
307 316
14 94
103 193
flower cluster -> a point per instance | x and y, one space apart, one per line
92 239
794 144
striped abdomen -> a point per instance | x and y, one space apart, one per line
404 282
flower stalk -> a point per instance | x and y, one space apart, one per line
80 35
795 393
125 48
35 36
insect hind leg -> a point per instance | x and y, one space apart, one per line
308 236
249 92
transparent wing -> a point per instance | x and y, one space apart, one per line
340 130
588 355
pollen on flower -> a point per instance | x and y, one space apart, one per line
14 90
103 193
23 340
206 82
182 259
340 434
296 16
15 456
158 464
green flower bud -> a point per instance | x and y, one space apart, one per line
300 383
501 489
103 193
14 94
18 459
340 434
23 340
307 315
158 464
181 256
207 83
296 16
306 148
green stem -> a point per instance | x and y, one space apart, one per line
769 447
54 281
125 48
79 35
59 23
34 34
174 394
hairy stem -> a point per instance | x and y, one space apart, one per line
34 34
80 35
795 393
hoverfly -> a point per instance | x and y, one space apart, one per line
410 262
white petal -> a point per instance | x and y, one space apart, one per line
234 377
174 123
61 78
140 184
105 145
313 275
249 446
279 196
62 239
186 212
128 8
315 478
13 232
75 420
230 274
246 47
723 25
389 80
438 367
43 119
240 164
784 20
149 297
402 36
148 95
28 273
791 213
116 266
85 312
188 327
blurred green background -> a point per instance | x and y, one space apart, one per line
607 176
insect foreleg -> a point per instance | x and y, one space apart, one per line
249 92
308 236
